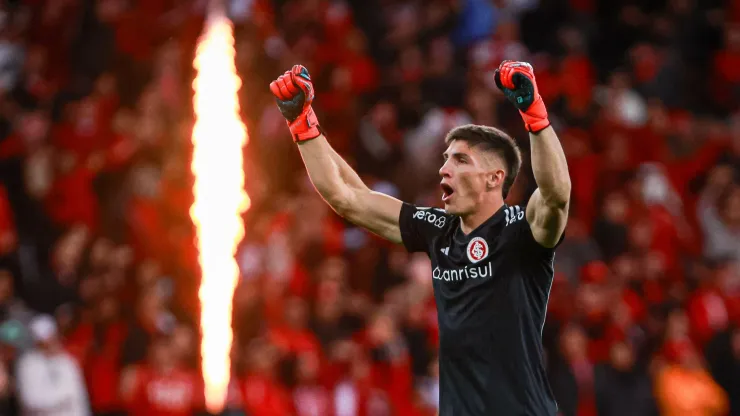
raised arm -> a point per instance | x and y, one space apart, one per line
333 178
547 210
344 191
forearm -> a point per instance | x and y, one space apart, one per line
344 191
550 167
332 177
348 174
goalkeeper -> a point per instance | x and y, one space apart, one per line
492 263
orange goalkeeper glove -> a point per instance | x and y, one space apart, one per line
516 80
294 94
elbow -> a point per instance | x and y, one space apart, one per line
345 200
341 203
335 196
342 208
565 192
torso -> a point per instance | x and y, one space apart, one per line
491 288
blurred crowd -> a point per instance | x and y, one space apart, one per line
98 267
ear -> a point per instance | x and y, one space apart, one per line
495 178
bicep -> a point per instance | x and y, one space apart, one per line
378 213
546 222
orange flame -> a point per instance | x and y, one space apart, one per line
218 138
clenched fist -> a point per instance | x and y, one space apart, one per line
516 80
294 94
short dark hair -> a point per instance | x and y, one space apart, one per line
491 139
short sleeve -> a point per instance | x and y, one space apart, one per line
519 230
420 225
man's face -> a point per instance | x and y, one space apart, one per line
466 175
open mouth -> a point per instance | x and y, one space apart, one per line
447 192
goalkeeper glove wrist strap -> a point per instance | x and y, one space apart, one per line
535 118
305 127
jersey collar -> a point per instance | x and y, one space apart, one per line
492 221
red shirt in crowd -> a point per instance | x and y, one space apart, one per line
578 79
88 137
178 392
707 314
726 74
147 228
313 400
72 200
665 236
100 362
295 341
263 396
7 225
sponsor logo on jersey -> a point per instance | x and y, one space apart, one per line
437 219
477 250
467 272
446 251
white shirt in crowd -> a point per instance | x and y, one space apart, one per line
50 383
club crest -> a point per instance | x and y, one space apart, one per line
477 249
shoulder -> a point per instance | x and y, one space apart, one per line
515 214
518 229
428 216
420 226
515 225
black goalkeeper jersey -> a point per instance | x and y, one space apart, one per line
491 289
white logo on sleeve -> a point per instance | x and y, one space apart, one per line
446 251
438 220
477 249
514 214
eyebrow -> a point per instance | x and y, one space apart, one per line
456 155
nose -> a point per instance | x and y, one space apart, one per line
444 171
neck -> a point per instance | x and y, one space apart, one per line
470 222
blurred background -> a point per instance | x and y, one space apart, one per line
98 267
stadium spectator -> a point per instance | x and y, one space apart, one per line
310 398
262 393
685 387
719 214
96 343
163 384
14 339
11 306
572 374
723 359
623 386
49 381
